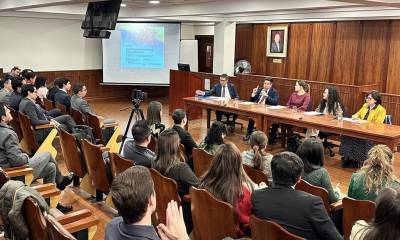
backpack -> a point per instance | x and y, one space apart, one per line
293 143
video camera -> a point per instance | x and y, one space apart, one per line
138 96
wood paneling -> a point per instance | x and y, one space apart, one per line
322 49
346 49
244 33
299 50
393 74
372 58
259 50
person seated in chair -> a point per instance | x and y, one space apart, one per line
133 195
61 96
29 76
215 137
39 116
78 100
262 95
43 164
5 92
137 150
226 90
154 113
298 212
180 120
16 96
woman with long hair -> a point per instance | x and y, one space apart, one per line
376 174
300 98
311 152
257 157
215 137
386 222
227 181
154 113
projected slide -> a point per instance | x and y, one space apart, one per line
142 47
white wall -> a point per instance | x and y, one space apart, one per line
224 48
47 45
190 31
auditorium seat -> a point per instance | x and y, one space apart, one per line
263 229
48 104
94 122
62 108
166 190
201 161
22 173
212 218
354 210
119 164
78 117
15 123
257 176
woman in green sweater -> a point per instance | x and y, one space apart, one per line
311 152
376 174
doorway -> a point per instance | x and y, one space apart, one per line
205 52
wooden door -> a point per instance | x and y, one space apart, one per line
206 52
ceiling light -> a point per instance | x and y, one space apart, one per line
154 2
123 4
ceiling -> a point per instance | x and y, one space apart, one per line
211 11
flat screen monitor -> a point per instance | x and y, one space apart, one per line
102 15
183 67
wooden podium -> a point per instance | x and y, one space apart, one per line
183 84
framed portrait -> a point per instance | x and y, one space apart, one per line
277 39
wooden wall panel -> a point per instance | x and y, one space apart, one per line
347 40
393 75
322 49
373 53
299 50
244 37
259 50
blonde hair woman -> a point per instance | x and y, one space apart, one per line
376 174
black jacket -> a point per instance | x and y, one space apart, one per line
298 212
217 91
138 154
271 99
15 99
63 98
186 140
183 176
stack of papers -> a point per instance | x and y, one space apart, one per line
246 103
276 107
313 113
355 120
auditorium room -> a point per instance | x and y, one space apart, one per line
199 119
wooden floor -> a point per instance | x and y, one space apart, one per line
111 109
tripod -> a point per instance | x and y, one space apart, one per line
137 114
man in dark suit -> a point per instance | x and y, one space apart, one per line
226 90
298 212
180 120
262 95
277 45
16 96
61 95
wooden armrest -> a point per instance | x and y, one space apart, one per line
44 187
105 149
74 216
47 190
81 224
186 198
110 125
336 206
19 172
16 168
44 126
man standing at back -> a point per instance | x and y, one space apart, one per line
298 212
5 92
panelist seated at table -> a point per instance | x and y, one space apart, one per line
223 89
354 151
262 95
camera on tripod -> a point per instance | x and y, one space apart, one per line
138 96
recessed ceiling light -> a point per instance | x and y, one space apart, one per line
123 4
154 2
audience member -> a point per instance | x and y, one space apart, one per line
376 174
298 212
61 96
386 223
154 113
15 72
180 120
311 152
257 157
41 88
54 89
16 96
354 151
215 137
137 150
168 162
39 116
5 92
300 99
226 90
78 100
43 164
30 77
227 181
263 95
133 195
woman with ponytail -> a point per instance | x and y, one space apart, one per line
376 174
257 157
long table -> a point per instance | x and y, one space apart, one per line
263 116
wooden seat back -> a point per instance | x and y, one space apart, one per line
201 161
15 123
78 117
96 166
257 176
72 154
263 229
212 218
94 122
28 132
3 177
56 231
62 108
34 220
119 164
48 104
354 210
316 191
166 190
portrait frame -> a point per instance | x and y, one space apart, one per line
274 48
